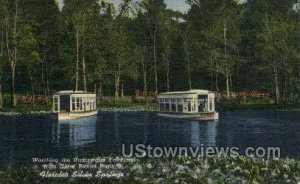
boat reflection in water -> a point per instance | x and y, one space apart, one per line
77 132
203 133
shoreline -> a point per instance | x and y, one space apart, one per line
154 108
13 113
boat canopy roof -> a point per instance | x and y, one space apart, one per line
183 93
71 92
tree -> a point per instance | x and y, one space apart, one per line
44 20
169 33
139 35
278 38
78 13
2 29
217 38
154 10
11 18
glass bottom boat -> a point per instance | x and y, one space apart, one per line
74 104
193 104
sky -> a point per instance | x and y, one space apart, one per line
171 4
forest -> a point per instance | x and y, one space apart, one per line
226 46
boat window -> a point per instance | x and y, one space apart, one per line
73 104
55 104
189 106
162 107
193 104
173 106
202 103
210 104
180 108
167 107
162 104
79 104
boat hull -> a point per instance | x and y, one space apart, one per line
75 115
197 116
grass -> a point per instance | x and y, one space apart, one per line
124 102
224 106
22 108
235 106
27 108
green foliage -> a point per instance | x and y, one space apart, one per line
125 48
181 170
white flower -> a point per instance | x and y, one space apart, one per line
159 180
273 173
198 170
237 168
286 166
137 178
210 181
217 171
180 169
119 166
137 168
205 166
145 180
195 176
149 166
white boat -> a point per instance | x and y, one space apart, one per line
193 104
74 104
75 115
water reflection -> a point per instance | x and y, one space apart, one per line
76 133
195 134
115 129
203 133
24 137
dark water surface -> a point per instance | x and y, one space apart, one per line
22 138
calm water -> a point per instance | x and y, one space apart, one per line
22 138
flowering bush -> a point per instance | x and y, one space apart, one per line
143 96
217 170
25 99
28 99
247 97
142 93
42 100
246 94
104 99
181 170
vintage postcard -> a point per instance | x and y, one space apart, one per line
149 91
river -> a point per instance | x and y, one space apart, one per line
25 137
